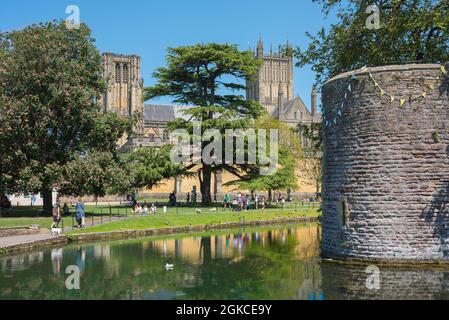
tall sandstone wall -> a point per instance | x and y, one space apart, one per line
386 166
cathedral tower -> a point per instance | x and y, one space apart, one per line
125 85
124 94
274 81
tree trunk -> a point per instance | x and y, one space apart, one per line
206 197
270 195
47 197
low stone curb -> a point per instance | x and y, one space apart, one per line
134 234
28 246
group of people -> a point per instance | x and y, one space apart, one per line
144 209
244 202
57 215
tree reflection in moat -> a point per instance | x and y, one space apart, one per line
246 264
259 263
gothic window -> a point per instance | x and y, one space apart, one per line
118 76
165 136
125 72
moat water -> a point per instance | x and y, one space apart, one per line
277 262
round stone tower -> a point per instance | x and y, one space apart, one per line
386 164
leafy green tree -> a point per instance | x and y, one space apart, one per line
50 117
290 151
205 76
147 168
410 30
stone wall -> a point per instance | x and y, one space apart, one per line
386 166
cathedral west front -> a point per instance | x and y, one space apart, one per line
273 88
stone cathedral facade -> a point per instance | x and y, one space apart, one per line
274 83
124 94
273 88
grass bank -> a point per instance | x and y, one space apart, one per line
195 219
25 222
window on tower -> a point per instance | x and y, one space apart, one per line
165 136
118 75
125 73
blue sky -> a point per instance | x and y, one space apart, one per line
148 27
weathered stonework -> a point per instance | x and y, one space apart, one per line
386 166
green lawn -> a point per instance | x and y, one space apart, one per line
25 222
185 219
26 216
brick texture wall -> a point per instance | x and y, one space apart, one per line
386 167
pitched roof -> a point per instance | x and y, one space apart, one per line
163 113
159 113
295 103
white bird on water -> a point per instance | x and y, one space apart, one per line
169 266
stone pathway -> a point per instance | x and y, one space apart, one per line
13 241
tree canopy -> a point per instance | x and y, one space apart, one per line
290 153
50 115
208 77
147 168
410 30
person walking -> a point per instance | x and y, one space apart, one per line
56 215
227 200
80 214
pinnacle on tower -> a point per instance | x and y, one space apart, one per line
260 48
313 101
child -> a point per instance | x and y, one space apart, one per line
145 210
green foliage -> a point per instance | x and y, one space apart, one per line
290 152
436 137
146 168
52 128
410 30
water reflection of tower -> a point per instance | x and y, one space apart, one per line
80 258
56 260
102 251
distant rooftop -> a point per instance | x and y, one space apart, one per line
163 113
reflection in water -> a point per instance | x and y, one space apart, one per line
260 263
